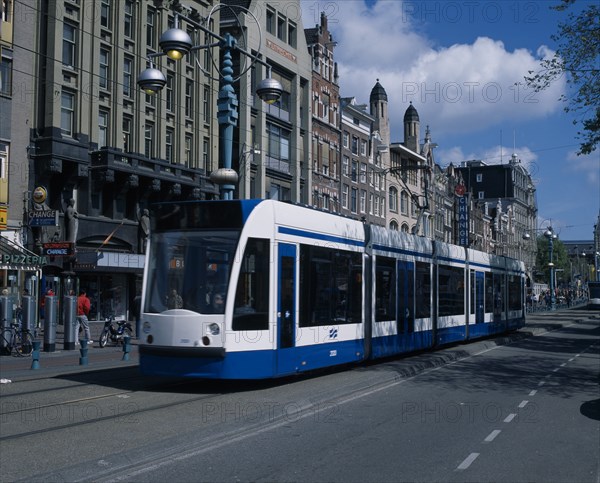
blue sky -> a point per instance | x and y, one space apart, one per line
459 63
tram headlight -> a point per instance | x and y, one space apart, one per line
214 329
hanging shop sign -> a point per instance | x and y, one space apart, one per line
43 217
58 249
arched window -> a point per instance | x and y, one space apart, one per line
405 228
394 225
393 203
404 202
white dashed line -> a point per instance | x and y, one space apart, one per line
509 418
467 462
541 383
555 370
492 436
563 364
523 404
532 393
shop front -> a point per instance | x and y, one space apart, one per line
111 281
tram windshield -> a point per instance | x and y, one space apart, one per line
190 270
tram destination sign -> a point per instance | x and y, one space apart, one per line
43 217
58 249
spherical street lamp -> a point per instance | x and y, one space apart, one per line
176 43
549 234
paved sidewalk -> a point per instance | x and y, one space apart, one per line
62 361
53 364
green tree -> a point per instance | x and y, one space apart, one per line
559 258
577 56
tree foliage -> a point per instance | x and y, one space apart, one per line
560 258
577 57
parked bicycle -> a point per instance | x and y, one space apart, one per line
13 338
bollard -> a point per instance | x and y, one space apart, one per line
126 347
50 315
83 350
35 355
70 322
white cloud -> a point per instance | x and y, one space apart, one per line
456 89
589 165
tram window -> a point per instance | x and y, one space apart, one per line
330 287
252 294
423 286
498 291
515 293
473 292
385 289
489 292
451 282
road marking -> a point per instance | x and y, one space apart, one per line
571 359
532 393
563 364
523 404
510 417
555 370
541 383
467 462
492 436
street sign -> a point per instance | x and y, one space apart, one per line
58 249
43 217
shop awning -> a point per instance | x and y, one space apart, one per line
15 257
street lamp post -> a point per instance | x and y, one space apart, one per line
176 43
549 234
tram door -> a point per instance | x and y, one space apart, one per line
286 308
406 297
479 295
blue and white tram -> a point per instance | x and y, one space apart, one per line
303 289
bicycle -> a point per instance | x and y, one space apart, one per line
14 338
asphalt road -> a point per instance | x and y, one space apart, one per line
518 408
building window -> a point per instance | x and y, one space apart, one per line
345 194
170 135
129 23
150 29
206 104
127 123
404 203
104 71
169 105
68 54
363 172
105 13
354 200
354 176
270 21
363 201
281 28
363 147
479 177
345 139
67 113
5 11
279 148
205 154
149 140
354 145
481 195
127 77
103 117
345 165
189 143
6 77
292 34
189 100
393 203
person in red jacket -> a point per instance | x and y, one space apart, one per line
83 310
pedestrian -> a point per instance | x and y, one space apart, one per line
83 310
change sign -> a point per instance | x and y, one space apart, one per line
58 249
43 218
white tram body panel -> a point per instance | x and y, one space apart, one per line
302 289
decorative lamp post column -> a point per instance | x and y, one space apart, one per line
176 43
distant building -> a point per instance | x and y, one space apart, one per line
510 194
326 110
